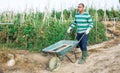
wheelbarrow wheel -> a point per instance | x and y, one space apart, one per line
54 64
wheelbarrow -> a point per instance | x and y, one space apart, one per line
59 50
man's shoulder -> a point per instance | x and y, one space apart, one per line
77 13
86 13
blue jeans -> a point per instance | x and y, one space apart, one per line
83 43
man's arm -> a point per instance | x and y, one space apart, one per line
90 24
71 27
73 24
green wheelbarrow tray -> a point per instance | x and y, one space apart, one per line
61 47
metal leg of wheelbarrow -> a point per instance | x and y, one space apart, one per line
70 59
75 54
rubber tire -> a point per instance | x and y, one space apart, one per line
54 64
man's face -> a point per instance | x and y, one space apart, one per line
80 8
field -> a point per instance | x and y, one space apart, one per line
30 32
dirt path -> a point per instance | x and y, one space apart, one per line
105 60
102 59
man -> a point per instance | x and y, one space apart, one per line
84 24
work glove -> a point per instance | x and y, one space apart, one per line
69 29
87 31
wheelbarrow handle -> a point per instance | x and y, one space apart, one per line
81 37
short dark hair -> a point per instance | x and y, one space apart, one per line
81 4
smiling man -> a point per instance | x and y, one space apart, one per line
84 24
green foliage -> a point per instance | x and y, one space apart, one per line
1 28
33 34
100 14
109 14
58 15
97 34
92 11
53 13
17 19
66 14
73 12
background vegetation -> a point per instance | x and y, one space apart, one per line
36 30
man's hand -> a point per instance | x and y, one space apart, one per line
87 31
69 29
